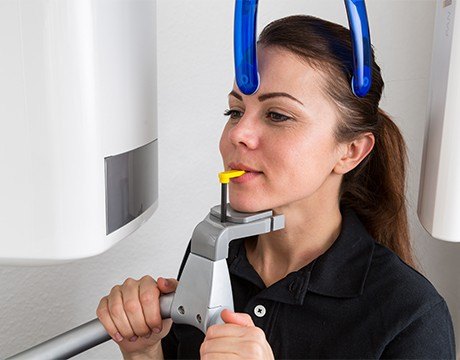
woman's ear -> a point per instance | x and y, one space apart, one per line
355 152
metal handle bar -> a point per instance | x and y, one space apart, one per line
80 339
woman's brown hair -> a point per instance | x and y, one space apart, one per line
375 189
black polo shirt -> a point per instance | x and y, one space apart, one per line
356 301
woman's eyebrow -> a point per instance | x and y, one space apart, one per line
267 96
235 94
278 94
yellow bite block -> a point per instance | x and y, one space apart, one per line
224 177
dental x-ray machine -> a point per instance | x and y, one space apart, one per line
205 289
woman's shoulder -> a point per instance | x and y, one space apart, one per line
388 280
410 309
398 287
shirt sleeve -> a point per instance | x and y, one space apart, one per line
431 336
170 342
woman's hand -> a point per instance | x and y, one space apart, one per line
131 315
237 338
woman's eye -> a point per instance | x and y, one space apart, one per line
234 114
276 117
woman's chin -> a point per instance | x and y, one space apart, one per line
245 207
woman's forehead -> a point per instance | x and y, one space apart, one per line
282 71
282 68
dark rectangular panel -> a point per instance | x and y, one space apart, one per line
131 182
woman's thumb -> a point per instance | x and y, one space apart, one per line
167 285
231 317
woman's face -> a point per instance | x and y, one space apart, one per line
283 136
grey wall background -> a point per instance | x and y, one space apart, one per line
195 76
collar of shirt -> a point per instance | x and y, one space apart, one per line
340 272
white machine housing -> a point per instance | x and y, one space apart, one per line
439 196
78 138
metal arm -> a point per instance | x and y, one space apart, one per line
203 291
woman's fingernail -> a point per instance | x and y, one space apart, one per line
133 339
166 282
118 337
156 330
148 335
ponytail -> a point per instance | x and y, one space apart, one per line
376 190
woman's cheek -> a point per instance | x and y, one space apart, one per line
224 145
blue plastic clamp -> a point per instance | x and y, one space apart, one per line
245 50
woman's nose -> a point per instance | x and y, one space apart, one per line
246 132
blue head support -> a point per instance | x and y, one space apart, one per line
247 75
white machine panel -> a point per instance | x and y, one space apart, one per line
78 93
439 198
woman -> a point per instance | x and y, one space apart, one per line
338 281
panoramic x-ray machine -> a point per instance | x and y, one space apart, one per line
81 96
98 139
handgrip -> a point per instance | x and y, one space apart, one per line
80 339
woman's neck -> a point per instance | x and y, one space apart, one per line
309 231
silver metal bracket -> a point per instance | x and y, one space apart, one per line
211 238
204 289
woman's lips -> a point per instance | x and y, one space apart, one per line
248 176
241 166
